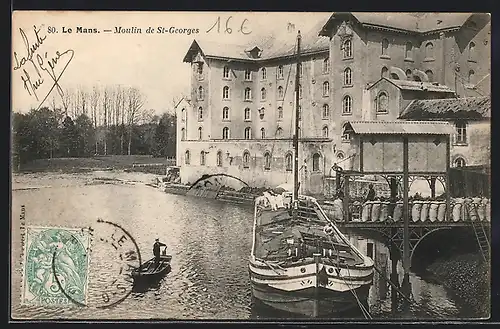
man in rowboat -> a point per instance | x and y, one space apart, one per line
156 250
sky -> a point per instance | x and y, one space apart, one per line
152 62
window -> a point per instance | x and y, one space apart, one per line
247 114
248 133
347 105
385 47
263 73
262 133
225 113
430 75
382 102
200 69
187 157
326 65
280 113
225 92
248 94
325 131
326 111
202 158
385 72
183 115
200 113
340 155
470 78
246 159
316 158
248 74
394 76
279 132
459 162
346 135
301 70
300 112
409 74
201 93
225 133
261 113
225 72
326 89
429 50
183 134
472 45
300 91
408 50
347 77
219 158
267 161
279 73
300 132
200 133
347 49
461 133
280 92
263 94
288 161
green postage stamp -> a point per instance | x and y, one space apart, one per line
56 263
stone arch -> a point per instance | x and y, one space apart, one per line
398 72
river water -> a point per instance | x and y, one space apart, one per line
209 240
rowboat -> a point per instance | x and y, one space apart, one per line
151 271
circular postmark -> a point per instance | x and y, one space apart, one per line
113 255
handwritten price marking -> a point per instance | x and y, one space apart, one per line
228 29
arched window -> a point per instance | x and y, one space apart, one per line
347 105
187 157
267 160
408 50
316 158
472 45
183 115
263 94
461 133
200 113
459 162
200 133
326 65
325 131
183 134
247 114
470 78
225 73
385 47
409 74
201 93
225 113
279 73
394 76
279 132
346 135
248 74
416 78
326 111
280 113
246 159
347 48
347 77
200 69
429 50
288 161
385 72
202 158
340 155
225 92
248 133
261 113
300 91
219 158
430 75
263 73
280 92
225 133
382 102
248 94
326 88
262 133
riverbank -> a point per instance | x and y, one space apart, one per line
469 277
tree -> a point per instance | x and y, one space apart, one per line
86 135
135 112
69 138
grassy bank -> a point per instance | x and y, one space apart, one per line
469 276
92 163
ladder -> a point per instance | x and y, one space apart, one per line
482 238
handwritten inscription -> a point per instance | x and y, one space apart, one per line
37 66
244 29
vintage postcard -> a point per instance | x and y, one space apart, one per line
243 165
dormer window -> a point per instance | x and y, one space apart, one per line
254 52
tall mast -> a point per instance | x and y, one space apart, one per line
296 134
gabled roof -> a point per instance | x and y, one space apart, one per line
452 108
401 127
416 85
218 50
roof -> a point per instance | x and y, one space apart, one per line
451 108
417 85
404 22
401 127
